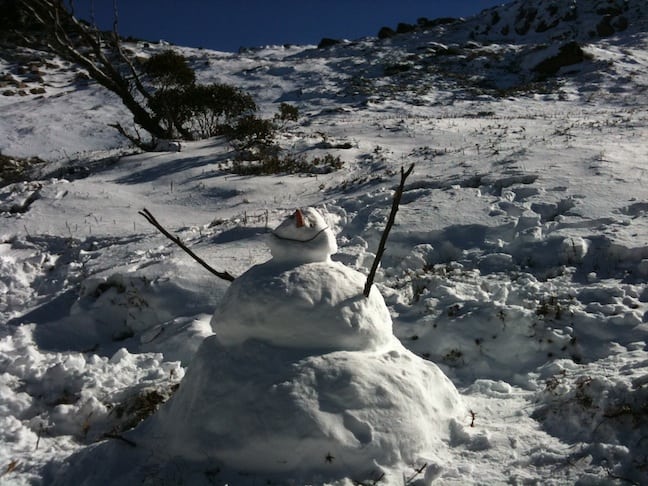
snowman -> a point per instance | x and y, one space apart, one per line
303 377
301 298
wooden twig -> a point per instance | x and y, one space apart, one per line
417 472
151 219
390 222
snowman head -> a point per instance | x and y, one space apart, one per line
303 237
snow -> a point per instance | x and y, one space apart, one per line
509 314
304 237
262 408
313 305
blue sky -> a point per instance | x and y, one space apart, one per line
229 25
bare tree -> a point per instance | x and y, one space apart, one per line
101 54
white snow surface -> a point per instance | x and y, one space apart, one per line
517 267
268 409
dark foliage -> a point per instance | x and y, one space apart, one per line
202 110
393 69
251 132
327 42
287 113
215 108
568 54
170 109
168 68
14 169
288 164
386 33
403 28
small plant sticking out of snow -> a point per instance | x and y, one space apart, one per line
550 308
604 412
287 113
288 164
14 169
135 408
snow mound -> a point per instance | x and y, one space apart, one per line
54 402
260 408
316 305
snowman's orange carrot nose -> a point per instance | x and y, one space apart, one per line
299 219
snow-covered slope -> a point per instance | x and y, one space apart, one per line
518 262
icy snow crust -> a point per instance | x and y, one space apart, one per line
518 262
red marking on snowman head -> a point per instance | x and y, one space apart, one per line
299 219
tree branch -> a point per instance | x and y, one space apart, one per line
390 222
127 60
75 41
135 139
151 219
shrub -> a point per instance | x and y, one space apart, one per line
568 54
216 107
201 110
169 68
386 33
289 164
393 69
403 28
251 132
327 42
14 169
287 112
170 108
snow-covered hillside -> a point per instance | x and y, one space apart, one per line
518 263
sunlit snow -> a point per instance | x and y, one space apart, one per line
504 340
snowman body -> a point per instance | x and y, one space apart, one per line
302 299
303 375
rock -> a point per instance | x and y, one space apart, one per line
328 42
403 28
568 55
386 33
620 23
604 27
